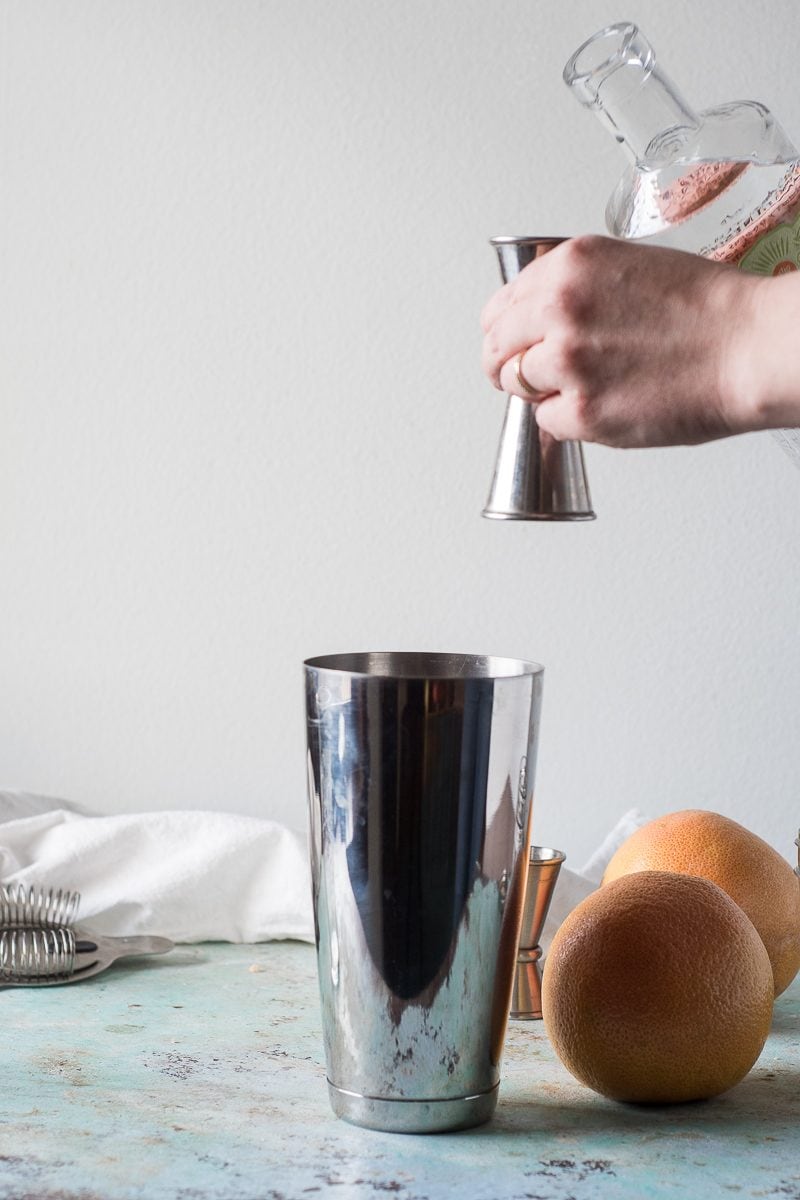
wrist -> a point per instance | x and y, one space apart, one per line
761 372
743 394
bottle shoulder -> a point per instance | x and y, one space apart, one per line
742 131
721 170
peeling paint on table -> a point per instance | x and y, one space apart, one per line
197 1077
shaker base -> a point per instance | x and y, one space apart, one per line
412 1116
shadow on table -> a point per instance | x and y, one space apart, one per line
761 1103
181 956
785 1020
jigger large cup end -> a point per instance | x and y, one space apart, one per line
536 478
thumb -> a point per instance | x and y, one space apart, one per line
557 417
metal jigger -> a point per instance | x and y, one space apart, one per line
526 999
536 478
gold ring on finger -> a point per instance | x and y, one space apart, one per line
524 386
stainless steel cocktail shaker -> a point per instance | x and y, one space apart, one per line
420 774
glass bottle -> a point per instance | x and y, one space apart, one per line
724 182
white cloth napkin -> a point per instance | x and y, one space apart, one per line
197 876
188 876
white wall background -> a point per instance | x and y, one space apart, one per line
242 418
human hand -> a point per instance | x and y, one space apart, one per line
628 345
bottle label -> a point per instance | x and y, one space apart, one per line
775 252
767 242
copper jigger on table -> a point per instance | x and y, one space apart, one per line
543 869
535 477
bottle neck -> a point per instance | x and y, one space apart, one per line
615 75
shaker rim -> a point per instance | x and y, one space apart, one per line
423 664
529 239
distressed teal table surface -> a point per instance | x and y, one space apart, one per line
195 1077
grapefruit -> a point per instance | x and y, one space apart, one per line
695 842
657 989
